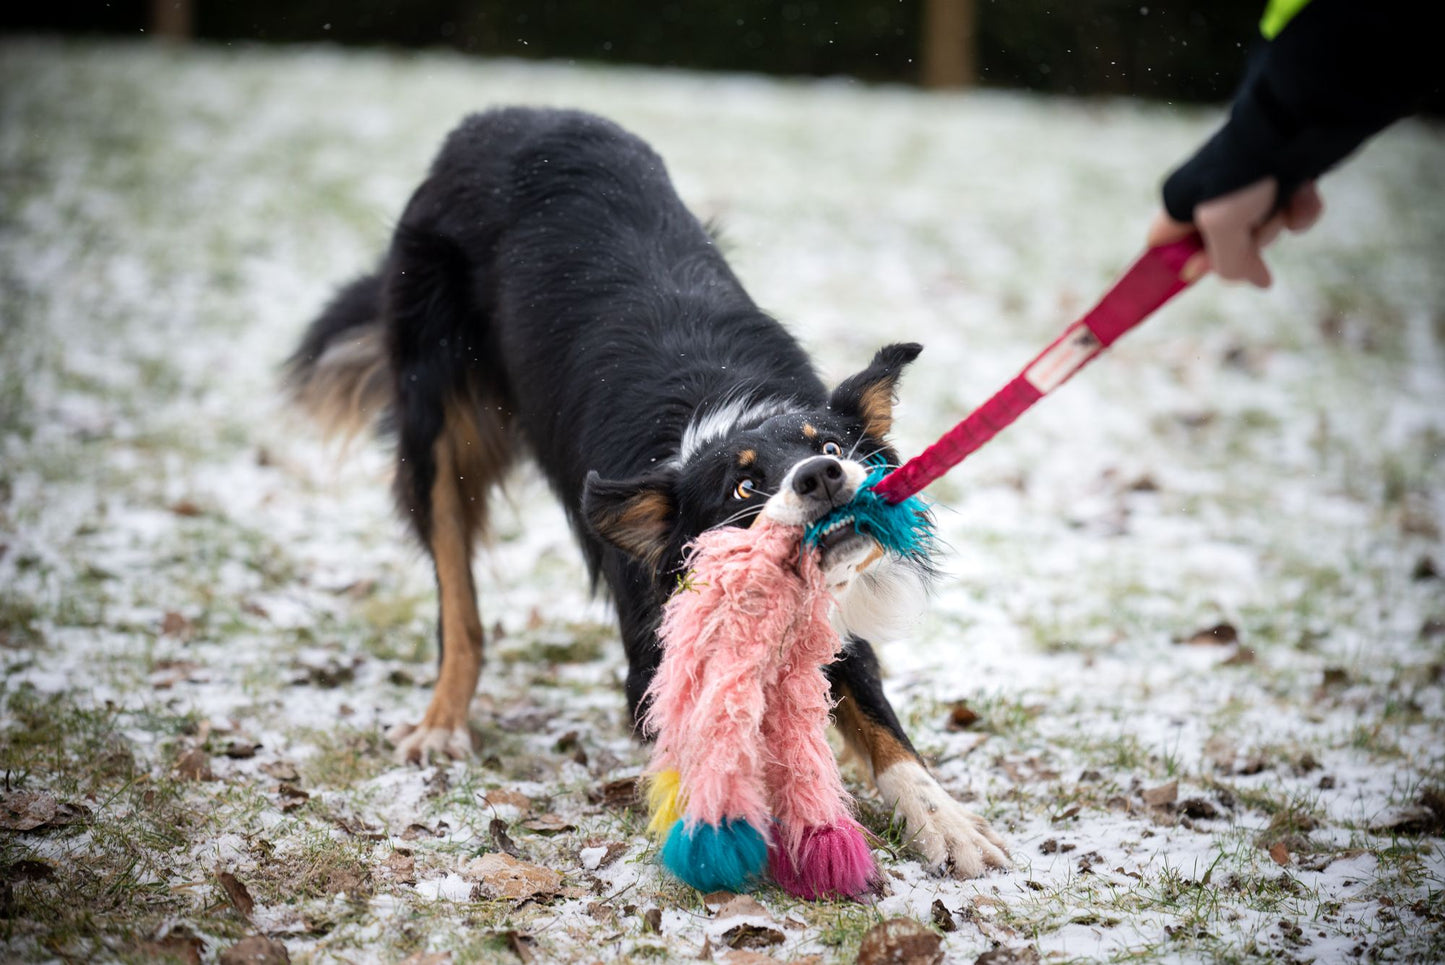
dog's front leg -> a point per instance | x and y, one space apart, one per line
949 837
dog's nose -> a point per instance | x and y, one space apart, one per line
820 477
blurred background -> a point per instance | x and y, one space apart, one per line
1162 50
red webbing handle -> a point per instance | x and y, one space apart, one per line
1150 282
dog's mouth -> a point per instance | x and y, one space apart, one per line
845 552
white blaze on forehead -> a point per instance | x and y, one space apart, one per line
718 422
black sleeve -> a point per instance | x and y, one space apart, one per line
1339 72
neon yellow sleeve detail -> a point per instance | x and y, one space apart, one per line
1277 14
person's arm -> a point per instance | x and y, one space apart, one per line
1336 73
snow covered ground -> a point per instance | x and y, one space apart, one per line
206 623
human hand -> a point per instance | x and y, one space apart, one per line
1237 227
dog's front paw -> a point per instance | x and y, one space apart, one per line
950 838
417 743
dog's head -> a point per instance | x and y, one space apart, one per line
795 462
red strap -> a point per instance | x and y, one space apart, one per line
1150 282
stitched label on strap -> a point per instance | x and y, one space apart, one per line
1055 366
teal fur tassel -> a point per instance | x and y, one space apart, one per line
732 856
903 529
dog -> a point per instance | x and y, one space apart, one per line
547 293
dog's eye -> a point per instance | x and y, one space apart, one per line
831 448
744 489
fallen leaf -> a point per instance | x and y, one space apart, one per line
503 876
281 771
27 810
255 950
402 866
548 824
176 625
291 797
238 749
521 946
26 869
1280 854
1198 808
1161 796
900 941
1219 635
1023 955
753 936
502 840
942 917
742 956
502 796
616 795
179 944
652 921
716 899
740 906
185 507
961 717
235 891
194 765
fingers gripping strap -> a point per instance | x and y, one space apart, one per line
1150 282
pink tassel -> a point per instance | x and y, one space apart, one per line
829 862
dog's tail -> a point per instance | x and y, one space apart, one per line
340 374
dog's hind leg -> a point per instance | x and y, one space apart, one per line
950 838
451 448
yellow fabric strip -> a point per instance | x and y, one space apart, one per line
664 801
1277 14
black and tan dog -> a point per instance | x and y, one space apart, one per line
547 293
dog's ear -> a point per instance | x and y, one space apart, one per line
635 515
869 395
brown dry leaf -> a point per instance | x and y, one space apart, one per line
521 946
281 771
549 824
194 765
615 795
716 899
502 840
240 898
942 917
291 797
1023 955
1219 635
652 921
497 797
900 941
185 507
176 625
402 866
1280 854
1161 796
503 876
742 956
27 810
753 936
240 749
255 950
740 906
961 717
176 945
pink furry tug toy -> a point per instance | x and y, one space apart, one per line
742 781
742 778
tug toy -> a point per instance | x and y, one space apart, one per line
742 779
742 782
